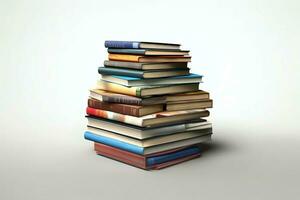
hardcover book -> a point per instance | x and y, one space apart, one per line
152 120
186 105
144 66
152 52
188 96
144 150
148 59
125 109
132 81
111 97
158 161
149 142
143 91
141 73
139 45
146 132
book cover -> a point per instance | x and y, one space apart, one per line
125 109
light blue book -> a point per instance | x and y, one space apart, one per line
113 142
133 81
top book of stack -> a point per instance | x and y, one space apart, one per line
143 52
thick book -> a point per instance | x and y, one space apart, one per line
148 59
158 161
111 97
126 109
188 96
186 105
150 142
149 52
139 45
152 120
144 91
145 66
132 81
146 132
144 150
141 73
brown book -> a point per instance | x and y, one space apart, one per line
188 96
148 59
187 105
141 161
125 109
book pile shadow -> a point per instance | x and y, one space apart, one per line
146 109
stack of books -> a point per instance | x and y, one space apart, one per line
147 109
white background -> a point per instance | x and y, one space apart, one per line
248 52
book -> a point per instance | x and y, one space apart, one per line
152 120
188 96
149 142
149 59
147 162
144 150
152 52
146 132
132 81
111 97
139 44
143 91
142 73
125 109
145 66
186 105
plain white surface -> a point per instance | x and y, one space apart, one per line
247 50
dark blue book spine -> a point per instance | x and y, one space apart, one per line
172 156
113 142
122 44
120 72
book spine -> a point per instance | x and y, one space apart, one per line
120 72
131 65
121 155
122 44
113 142
122 100
127 51
115 116
107 86
119 108
124 57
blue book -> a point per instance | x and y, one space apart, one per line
134 81
145 150
141 73
113 142
172 156
139 45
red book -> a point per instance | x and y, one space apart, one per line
139 160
